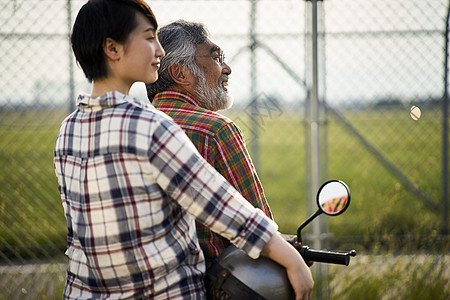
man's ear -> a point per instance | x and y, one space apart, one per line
181 75
111 49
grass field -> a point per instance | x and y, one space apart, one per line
384 216
382 208
32 219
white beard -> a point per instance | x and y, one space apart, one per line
213 98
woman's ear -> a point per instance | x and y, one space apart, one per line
111 49
181 75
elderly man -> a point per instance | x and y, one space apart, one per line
192 86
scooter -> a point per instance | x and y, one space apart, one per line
234 275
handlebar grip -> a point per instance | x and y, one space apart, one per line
325 256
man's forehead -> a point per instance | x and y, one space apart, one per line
208 47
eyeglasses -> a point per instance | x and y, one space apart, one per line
220 57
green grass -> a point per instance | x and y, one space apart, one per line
384 216
392 277
30 203
382 209
32 220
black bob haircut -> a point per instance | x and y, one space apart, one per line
101 19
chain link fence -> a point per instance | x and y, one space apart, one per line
382 119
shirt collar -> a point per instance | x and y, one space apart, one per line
177 94
109 99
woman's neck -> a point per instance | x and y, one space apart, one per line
100 87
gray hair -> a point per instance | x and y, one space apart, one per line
179 40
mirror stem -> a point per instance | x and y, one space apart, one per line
299 237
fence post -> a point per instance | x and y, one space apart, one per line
253 85
445 107
71 70
315 151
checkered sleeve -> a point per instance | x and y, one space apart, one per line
233 161
205 194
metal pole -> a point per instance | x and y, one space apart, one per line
253 88
322 269
445 107
71 68
314 126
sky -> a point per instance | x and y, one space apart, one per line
372 49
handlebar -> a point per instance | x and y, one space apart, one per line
340 258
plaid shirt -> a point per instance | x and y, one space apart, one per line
131 185
220 141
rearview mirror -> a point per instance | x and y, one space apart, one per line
333 197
